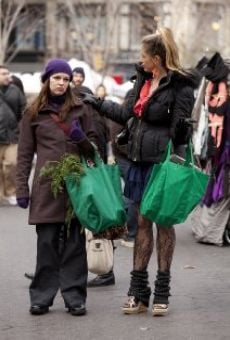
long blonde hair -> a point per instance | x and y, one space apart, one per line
162 43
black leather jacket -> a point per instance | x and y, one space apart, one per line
162 119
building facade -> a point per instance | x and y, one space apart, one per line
107 33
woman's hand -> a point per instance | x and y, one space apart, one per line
93 100
76 133
23 202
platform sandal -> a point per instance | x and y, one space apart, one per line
161 294
134 306
159 309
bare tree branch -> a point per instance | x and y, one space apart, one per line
12 13
88 36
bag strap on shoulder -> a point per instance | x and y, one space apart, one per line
62 125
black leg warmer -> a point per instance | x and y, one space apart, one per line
139 286
162 288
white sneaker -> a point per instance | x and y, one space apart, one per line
128 244
12 200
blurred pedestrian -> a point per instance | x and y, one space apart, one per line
154 113
12 104
77 82
101 91
17 82
122 160
105 149
41 132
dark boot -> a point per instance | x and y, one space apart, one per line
39 310
107 279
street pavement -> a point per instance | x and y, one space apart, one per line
199 306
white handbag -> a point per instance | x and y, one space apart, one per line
99 254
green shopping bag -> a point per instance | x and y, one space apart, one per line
97 200
173 190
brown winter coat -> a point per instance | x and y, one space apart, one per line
45 138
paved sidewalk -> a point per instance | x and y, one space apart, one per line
200 302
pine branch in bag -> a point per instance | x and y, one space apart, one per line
57 171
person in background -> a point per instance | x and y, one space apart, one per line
77 82
101 91
123 162
41 132
115 155
79 91
12 104
101 124
17 82
154 113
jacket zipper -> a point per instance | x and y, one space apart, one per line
136 138
154 92
138 129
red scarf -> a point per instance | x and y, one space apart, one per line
144 96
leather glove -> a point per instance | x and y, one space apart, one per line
76 133
23 202
93 100
184 130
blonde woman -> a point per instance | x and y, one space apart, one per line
161 99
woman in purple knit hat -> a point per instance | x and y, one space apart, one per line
41 133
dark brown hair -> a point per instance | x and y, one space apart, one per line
42 100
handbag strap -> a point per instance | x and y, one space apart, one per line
62 125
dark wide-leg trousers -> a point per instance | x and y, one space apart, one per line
61 263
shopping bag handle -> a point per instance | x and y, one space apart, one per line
189 159
96 161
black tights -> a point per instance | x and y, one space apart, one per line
165 244
143 248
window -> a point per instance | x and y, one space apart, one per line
30 29
136 20
90 23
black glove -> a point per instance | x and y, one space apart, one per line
184 130
92 100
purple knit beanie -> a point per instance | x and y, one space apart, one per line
56 66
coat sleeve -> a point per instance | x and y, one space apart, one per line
88 126
22 105
119 113
26 151
180 131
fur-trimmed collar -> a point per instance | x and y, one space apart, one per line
190 77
